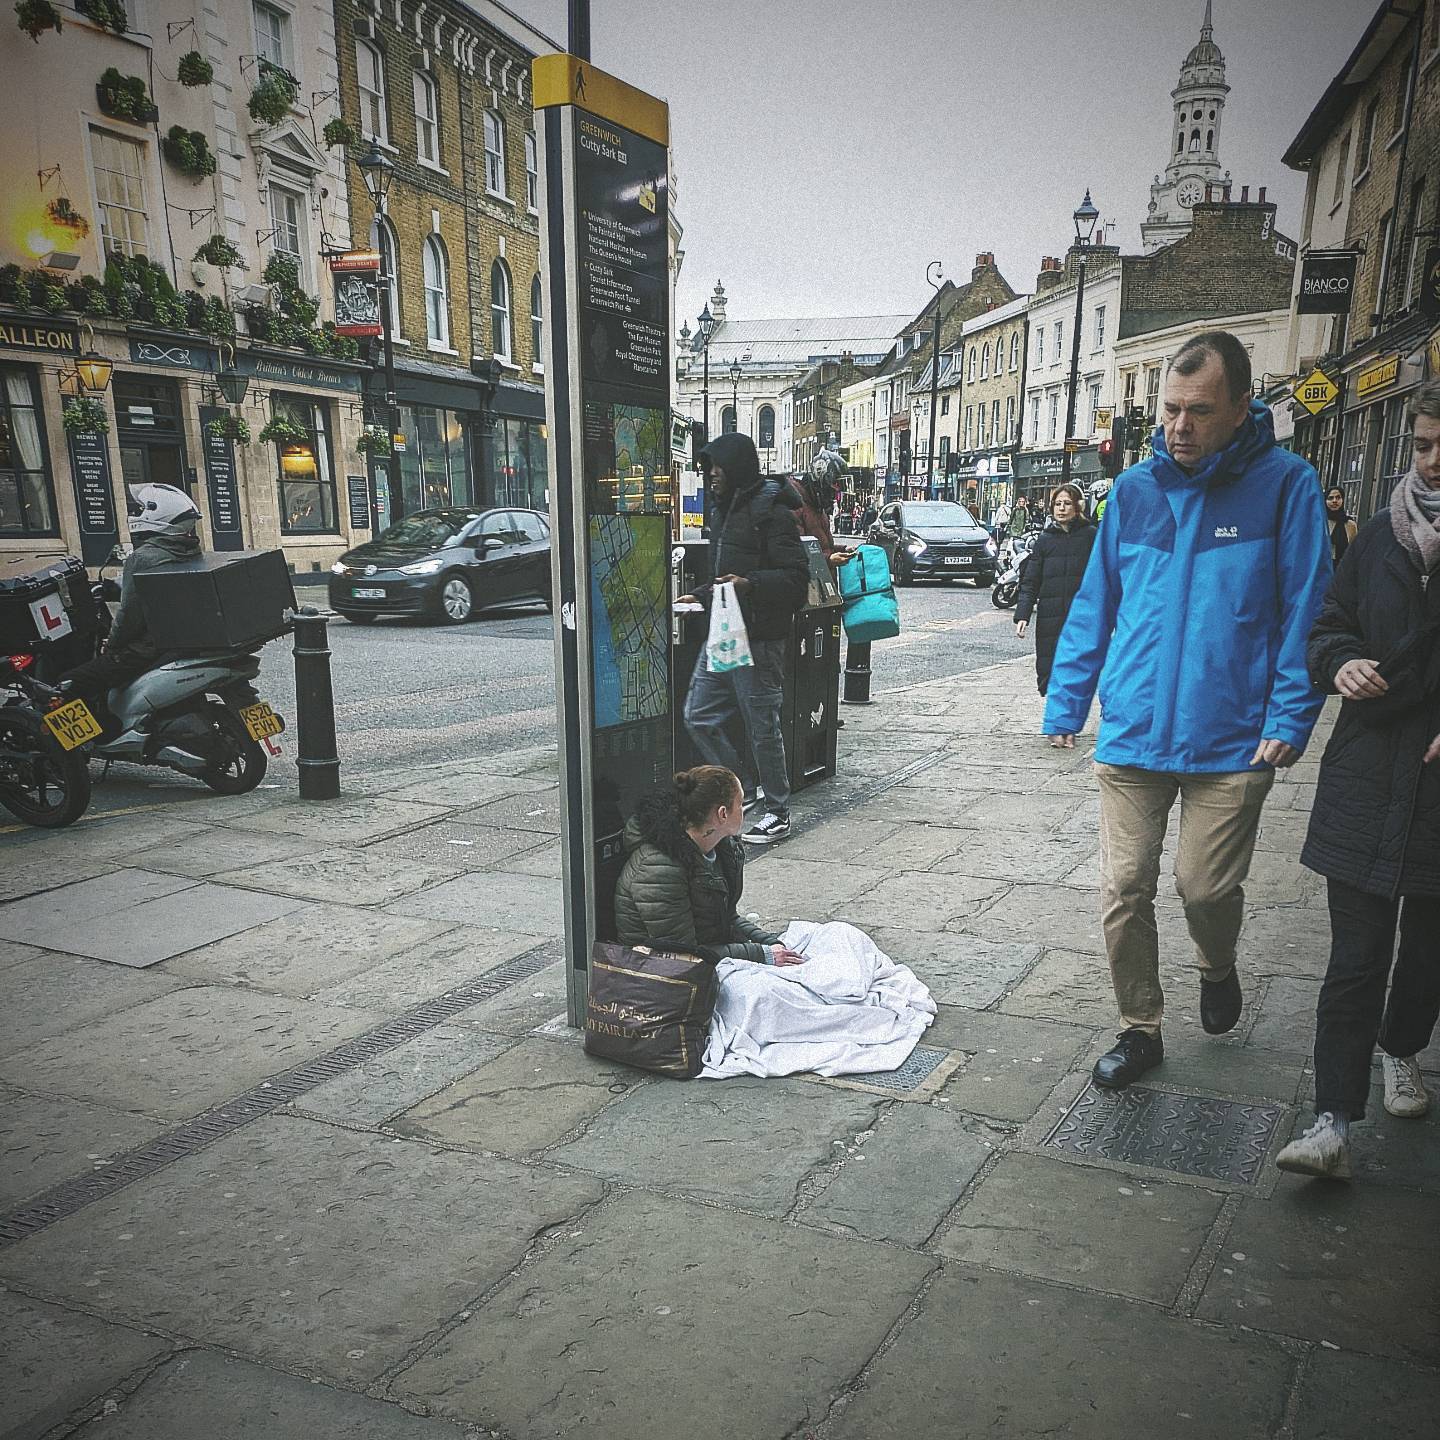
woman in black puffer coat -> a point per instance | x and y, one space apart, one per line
1053 574
1375 826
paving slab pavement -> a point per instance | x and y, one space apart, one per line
458 1224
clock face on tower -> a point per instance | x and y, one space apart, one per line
1189 193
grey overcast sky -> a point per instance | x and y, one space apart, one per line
826 150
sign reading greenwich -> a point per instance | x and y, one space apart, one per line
23 333
1327 280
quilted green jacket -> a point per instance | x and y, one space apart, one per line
671 898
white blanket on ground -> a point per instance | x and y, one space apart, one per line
848 1010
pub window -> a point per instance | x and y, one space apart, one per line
532 174
436 269
537 325
306 469
427 118
500 311
370 72
119 166
289 226
272 34
494 154
27 498
382 239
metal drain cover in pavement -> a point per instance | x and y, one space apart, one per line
1193 1134
922 1074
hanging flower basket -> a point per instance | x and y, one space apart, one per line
195 69
189 152
374 440
282 431
274 93
219 252
339 132
231 427
61 212
124 97
35 17
84 415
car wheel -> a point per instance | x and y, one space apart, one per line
455 600
356 618
904 575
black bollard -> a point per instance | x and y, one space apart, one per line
857 674
315 708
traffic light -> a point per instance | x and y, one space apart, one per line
1112 451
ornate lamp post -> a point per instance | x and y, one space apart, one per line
377 170
1085 218
934 283
706 327
735 391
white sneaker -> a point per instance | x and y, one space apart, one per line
1321 1150
1405 1092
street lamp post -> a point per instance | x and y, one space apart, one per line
1085 218
378 170
735 393
934 371
706 326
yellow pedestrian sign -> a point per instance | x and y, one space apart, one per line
1316 392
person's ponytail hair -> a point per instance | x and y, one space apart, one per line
701 790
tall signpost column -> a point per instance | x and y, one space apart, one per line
604 149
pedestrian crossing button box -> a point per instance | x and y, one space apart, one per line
236 600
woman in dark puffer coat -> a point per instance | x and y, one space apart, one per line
686 871
1053 574
1375 827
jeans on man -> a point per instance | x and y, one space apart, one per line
755 693
1352 999
1219 817
93 680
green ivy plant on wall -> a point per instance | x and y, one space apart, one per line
35 17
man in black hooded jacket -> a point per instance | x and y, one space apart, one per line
754 543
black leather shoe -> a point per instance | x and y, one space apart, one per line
1220 1003
1135 1052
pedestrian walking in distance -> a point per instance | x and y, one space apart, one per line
1053 574
1192 620
1375 826
1342 527
754 543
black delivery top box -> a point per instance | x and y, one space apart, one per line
231 601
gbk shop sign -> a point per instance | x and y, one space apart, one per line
1327 280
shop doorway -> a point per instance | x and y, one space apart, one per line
149 432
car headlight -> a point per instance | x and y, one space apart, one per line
991 548
423 567
916 547
338 568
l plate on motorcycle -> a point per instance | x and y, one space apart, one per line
72 724
261 721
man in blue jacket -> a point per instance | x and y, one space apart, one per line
1192 618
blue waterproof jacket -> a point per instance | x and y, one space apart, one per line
1195 609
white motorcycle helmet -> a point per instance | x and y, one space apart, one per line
160 510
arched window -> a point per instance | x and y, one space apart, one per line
382 240
985 362
1180 143
436 268
500 311
766 440
1209 139
1015 350
370 74
537 324
494 153
427 118
532 172
727 420
970 365
1195 141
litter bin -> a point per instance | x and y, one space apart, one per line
812 678
47 610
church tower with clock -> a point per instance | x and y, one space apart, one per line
1198 109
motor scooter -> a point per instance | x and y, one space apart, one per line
1011 569
44 776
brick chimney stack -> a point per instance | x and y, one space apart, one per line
1052 272
985 260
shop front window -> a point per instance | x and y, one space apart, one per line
1395 447
1352 459
27 499
306 471
432 468
516 465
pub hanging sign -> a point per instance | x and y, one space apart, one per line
357 293
1327 280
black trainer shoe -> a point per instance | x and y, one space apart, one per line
768 829
748 803
1135 1052
1220 1003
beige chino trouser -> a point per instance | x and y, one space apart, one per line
1219 817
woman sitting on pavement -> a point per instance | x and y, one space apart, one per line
1053 574
685 871
1375 826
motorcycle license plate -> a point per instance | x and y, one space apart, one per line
368 592
72 724
959 559
261 721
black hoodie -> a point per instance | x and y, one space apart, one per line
753 533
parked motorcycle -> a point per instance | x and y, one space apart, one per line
200 716
1011 569
44 774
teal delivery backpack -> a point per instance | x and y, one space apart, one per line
871 609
